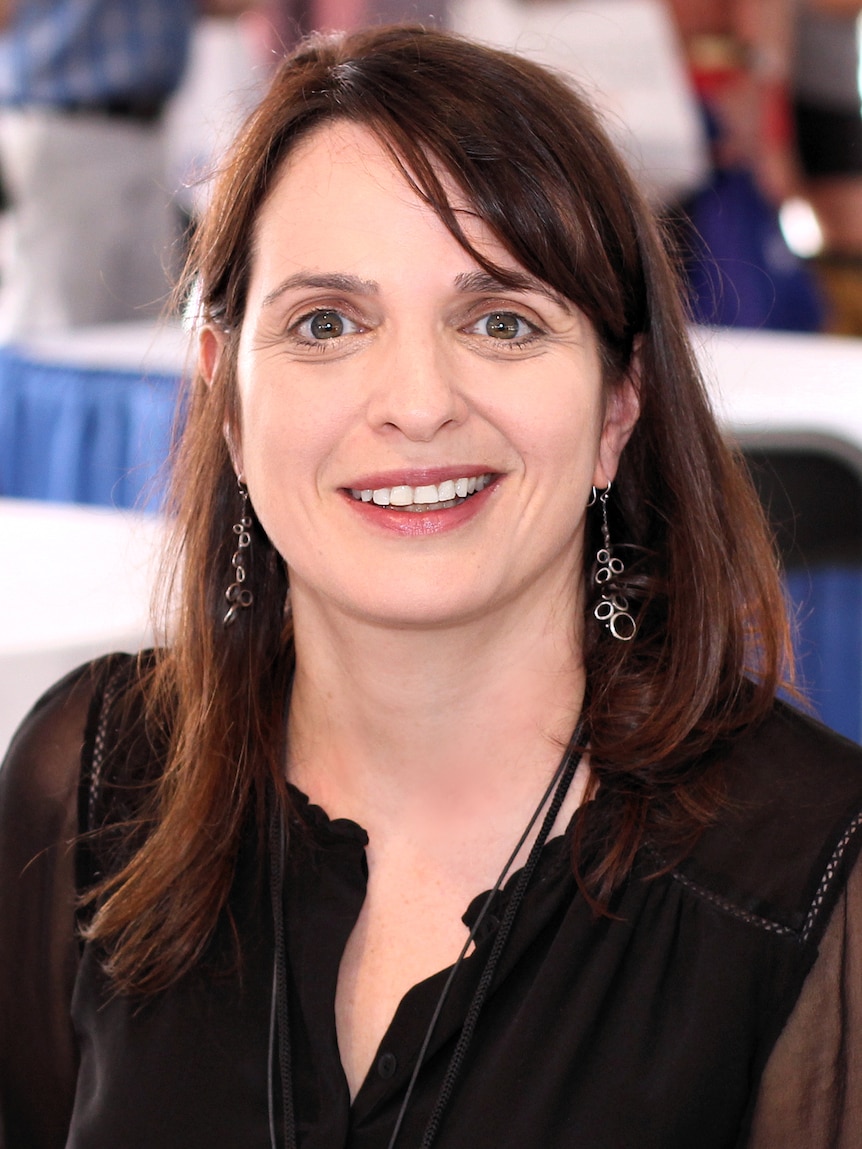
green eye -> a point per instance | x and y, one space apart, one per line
325 325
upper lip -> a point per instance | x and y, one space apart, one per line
417 477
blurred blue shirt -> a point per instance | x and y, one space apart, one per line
62 53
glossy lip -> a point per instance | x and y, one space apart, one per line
414 524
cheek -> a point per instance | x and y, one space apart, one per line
293 433
559 436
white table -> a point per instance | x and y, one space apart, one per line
786 390
76 584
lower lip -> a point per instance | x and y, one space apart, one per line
417 524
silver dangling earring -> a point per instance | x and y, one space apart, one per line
612 609
238 596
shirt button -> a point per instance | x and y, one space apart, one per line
387 1063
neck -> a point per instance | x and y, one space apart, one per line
383 721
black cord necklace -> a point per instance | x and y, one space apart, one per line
279 1020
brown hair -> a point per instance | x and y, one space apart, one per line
712 636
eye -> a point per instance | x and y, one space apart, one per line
504 325
325 324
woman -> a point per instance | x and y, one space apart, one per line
488 831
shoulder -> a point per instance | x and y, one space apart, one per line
122 765
791 826
85 758
50 754
49 742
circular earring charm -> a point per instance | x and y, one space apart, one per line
612 609
239 597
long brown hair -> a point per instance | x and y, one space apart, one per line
712 637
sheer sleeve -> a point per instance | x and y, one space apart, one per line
811 1093
38 949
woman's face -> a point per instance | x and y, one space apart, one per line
419 441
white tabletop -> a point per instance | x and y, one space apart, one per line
151 348
77 583
802 390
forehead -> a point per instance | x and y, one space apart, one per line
341 190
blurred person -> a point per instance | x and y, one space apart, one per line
739 54
740 268
83 88
828 123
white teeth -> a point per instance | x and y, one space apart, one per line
448 493
401 496
425 495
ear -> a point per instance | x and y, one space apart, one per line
211 346
621 414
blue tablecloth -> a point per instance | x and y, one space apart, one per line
83 435
828 606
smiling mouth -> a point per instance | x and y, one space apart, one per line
432 497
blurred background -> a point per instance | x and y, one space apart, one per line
740 118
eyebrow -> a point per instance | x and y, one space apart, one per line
332 282
467 282
481 282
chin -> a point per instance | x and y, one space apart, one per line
397 606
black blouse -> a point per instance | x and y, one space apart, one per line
720 1006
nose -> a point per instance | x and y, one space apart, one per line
416 391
